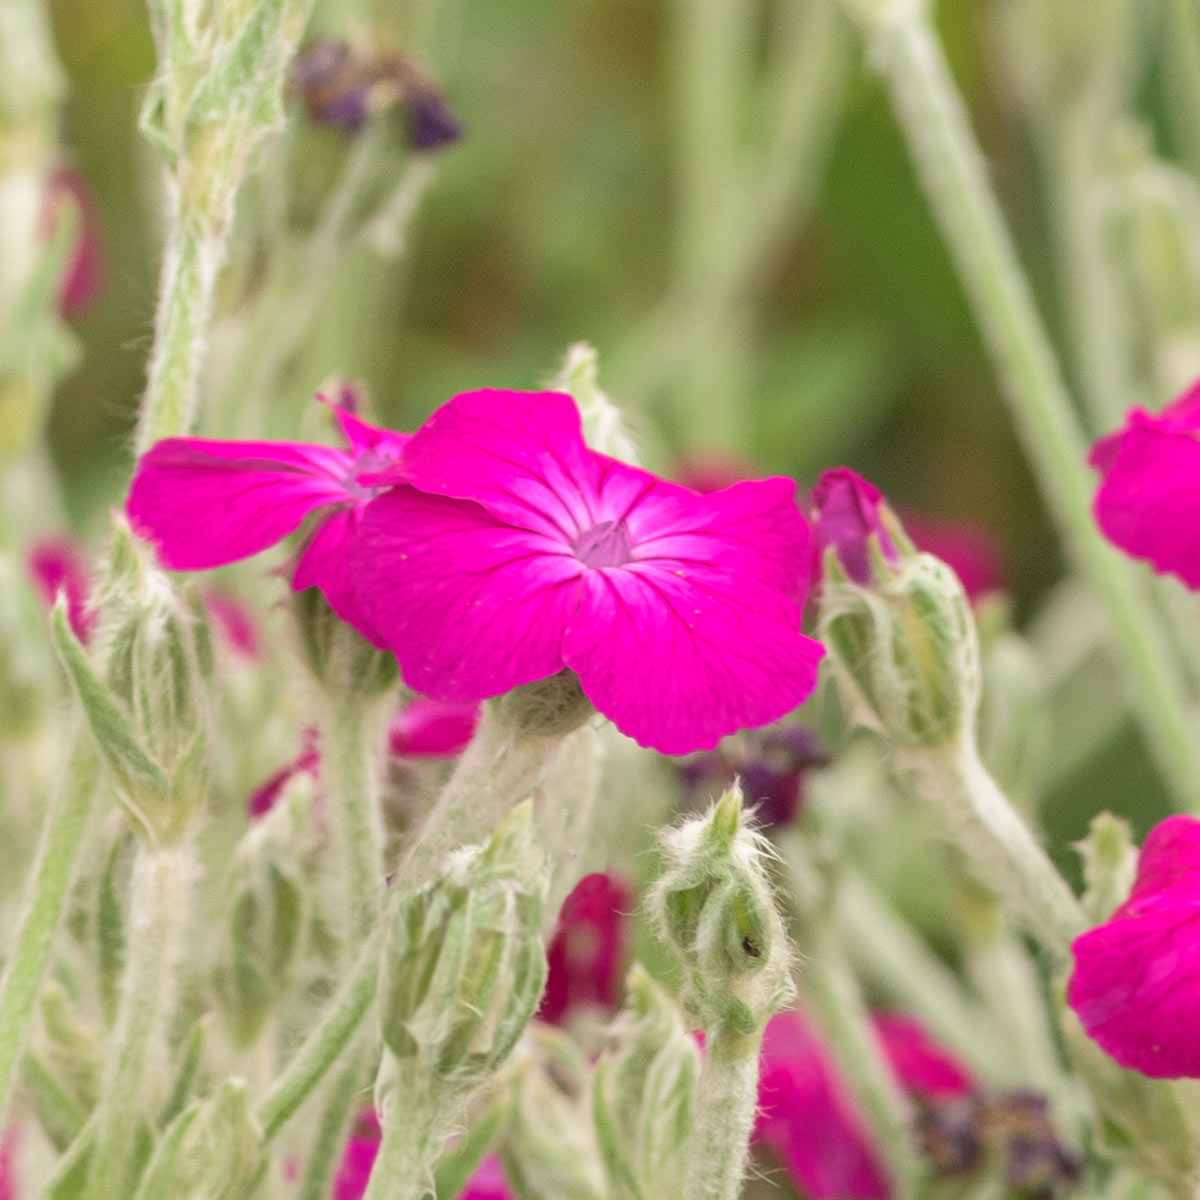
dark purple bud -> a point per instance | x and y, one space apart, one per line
431 123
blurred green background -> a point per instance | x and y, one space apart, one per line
586 202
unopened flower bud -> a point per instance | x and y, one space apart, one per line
603 423
848 512
1012 729
645 1093
340 659
550 707
219 1149
266 911
549 1149
1109 866
716 910
902 640
464 967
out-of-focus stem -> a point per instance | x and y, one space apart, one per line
53 870
158 913
1183 47
954 176
337 1115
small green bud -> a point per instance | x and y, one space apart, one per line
464 966
222 1148
644 1094
266 913
603 424
715 908
1013 730
903 647
548 1148
342 661
1109 866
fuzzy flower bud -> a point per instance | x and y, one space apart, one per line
266 911
645 1093
339 659
1109 865
549 1149
464 966
901 639
715 908
148 716
603 423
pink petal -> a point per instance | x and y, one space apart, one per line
471 606
924 1068
361 437
970 550
678 658
432 728
488 1182
324 563
808 1118
587 953
752 528
519 454
1136 983
60 564
846 510
307 762
358 1157
207 503
1148 503
235 621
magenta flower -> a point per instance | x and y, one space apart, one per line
517 552
307 762
845 514
60 564
1136 983
1150 478
432 728
358 1157
235 621
205 503
10 1146
807 1114
488 1182
587 954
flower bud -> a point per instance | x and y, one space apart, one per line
645 1093
848 512
902 641
549 1149
340 659
464 967
603 423
266 912
212 1152
716 910
1109 866
549 708
1012 729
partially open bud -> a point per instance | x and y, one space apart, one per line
464 966
266 912
549 1149
645 1093
901 638
716 910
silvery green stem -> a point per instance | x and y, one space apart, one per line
189 274
327 1042
996 841
158 908
412 1142
53 870
954 174
725 1104
836 1003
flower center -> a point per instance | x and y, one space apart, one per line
604 545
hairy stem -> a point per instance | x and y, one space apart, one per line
412 1142
954 175
53 870
158 907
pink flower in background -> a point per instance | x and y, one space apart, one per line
1148 501
432 728
10 1145
807 1114
358 1157
587 954
845 514
60 564
82 278
517 552
307 762
968 549
205 503
235 621
712 471
488 1182
1136 983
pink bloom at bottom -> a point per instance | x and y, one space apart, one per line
1136 983
60 564
428 728
10 1145
1146 503
488 1182
510 551
586 956
808 1116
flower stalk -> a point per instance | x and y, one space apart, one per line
954 175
